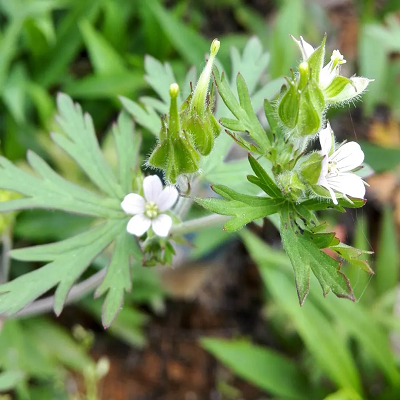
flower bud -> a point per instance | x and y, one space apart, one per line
174 153
288 108
291 184
201 91
197 117
311 110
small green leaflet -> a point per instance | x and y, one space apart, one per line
306 256
244 208
246 119
68 259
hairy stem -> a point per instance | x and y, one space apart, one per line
198 224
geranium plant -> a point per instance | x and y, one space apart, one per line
142 218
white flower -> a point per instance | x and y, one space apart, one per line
332 70
148 211
337 166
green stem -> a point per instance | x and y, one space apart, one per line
195 225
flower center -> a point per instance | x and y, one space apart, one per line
332 168
337 59
151 210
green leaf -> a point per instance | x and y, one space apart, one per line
55 342
320 336
160 76
127 143
51 191
242 110
243 208
265 368
8 47
265 181
10 379
387 260
105 86
381 158
68 259
53 65
104 58
252 63
144 116
372 337
81 144
118 278
351 254
186 40
305 256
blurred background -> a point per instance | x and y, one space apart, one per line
225 323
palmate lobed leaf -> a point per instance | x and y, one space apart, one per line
69 258
306 256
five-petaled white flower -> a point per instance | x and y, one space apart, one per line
331 70
148 211
336 173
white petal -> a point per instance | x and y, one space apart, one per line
323 182
350 91
348 157
324 168
152 187
325 140
349 184
327 74
162 225
305 48
167 198
138 225
133 204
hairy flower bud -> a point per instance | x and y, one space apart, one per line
174 153
197 119
291 184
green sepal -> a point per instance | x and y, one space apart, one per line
243 208
312 105
200 134
336 87
176 156
289 105
273 121
310 169
316 60
265 182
